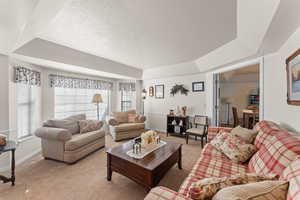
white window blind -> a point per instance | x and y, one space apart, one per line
28 109
70 101
128 100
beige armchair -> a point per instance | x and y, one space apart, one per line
61 139
126 125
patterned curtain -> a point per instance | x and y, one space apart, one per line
27 76
127 86
70 82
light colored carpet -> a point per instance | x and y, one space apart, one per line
40 179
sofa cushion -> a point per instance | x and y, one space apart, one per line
122 117
266 190
128 127
265 133
210 165
132 118
208 187
292 174
89 125
236 149
277 155
247 135
69 125
80 140
214 131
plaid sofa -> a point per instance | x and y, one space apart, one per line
282 160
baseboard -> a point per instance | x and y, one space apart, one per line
20 161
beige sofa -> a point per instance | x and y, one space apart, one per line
61 139
126 125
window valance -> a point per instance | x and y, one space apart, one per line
71 82
27 76
127 86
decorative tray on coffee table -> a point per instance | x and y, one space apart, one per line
146 150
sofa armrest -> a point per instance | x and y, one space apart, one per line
141 119
53 133
213 131
162 193
110 120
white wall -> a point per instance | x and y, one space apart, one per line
4 121
157 109
275 86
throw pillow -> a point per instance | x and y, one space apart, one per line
120 117
271 190
132 118
244 133
208 187
89 125
218 141
236 149
292 175
141 119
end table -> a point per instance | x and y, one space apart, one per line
10 146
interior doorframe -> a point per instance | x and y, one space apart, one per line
260 62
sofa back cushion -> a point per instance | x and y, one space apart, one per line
275 156
70 125
292 174
76 117
265 133
122 117
89 125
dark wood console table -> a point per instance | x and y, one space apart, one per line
10 146
171 127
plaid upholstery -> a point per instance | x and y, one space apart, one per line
277 155
211 164
162 193
265 133
213 131
292 174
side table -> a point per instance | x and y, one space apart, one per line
10 146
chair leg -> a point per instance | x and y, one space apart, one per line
187 138
202 141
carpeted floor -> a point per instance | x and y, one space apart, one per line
40 179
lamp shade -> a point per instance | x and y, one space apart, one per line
97 98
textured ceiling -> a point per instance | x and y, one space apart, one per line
144 33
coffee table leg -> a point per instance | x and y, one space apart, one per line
180 159
109 171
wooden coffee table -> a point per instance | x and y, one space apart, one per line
147 171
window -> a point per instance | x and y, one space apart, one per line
70 101
28 109
127 100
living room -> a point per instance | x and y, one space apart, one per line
130 69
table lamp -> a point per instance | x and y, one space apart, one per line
97 99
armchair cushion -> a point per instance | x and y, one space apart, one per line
198 131
132 118
53 133
128 127
80 140
122 117
70 125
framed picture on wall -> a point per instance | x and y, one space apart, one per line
159 91
151 91
293 78
198 86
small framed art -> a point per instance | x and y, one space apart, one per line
198 86
159 91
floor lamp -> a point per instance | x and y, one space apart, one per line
97 99
144 94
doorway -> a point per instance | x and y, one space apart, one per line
237 96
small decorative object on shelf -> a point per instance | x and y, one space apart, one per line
184 109
174 122
181 123
177 129
171 112
2 140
